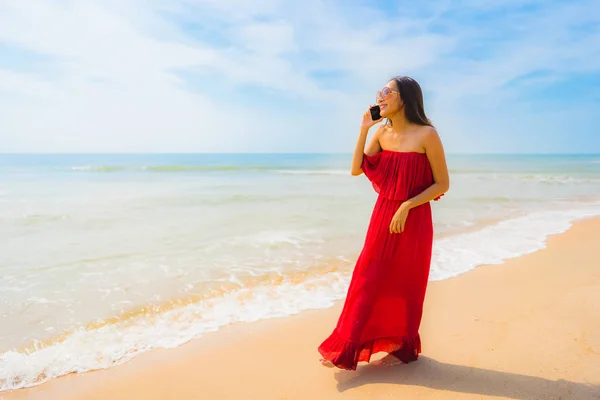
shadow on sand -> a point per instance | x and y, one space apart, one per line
430 373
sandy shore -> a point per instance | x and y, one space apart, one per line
527 329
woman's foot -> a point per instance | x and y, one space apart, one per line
326 363
389 361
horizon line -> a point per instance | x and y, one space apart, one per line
280 153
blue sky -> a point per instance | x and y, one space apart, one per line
512 76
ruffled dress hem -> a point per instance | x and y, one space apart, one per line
346 355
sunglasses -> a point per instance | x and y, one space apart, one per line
385 93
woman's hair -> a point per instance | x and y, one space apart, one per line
412 95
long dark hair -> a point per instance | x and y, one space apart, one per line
412 96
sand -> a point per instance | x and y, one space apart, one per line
526 329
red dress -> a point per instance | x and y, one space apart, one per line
384 304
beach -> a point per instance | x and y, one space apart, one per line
524 329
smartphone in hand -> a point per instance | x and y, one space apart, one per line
375 113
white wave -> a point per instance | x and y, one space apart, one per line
457 254
274 238
86 350
313 171
559 179
264 239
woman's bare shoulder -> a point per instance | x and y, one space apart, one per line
427 134
427 130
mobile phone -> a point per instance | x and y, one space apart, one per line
375 113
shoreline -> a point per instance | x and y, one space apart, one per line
526 328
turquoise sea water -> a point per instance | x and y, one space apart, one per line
106 256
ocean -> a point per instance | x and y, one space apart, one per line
106 256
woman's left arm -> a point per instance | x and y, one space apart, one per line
435 154
437 159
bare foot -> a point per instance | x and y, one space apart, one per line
389 361
326 363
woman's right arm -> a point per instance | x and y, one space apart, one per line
373 147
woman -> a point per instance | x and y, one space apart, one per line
406 164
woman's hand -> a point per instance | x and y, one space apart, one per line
399 219
367 121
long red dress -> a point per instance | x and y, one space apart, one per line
384 304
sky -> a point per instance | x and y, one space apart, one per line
229 76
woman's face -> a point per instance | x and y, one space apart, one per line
389 99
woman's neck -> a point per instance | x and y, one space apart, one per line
399 122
